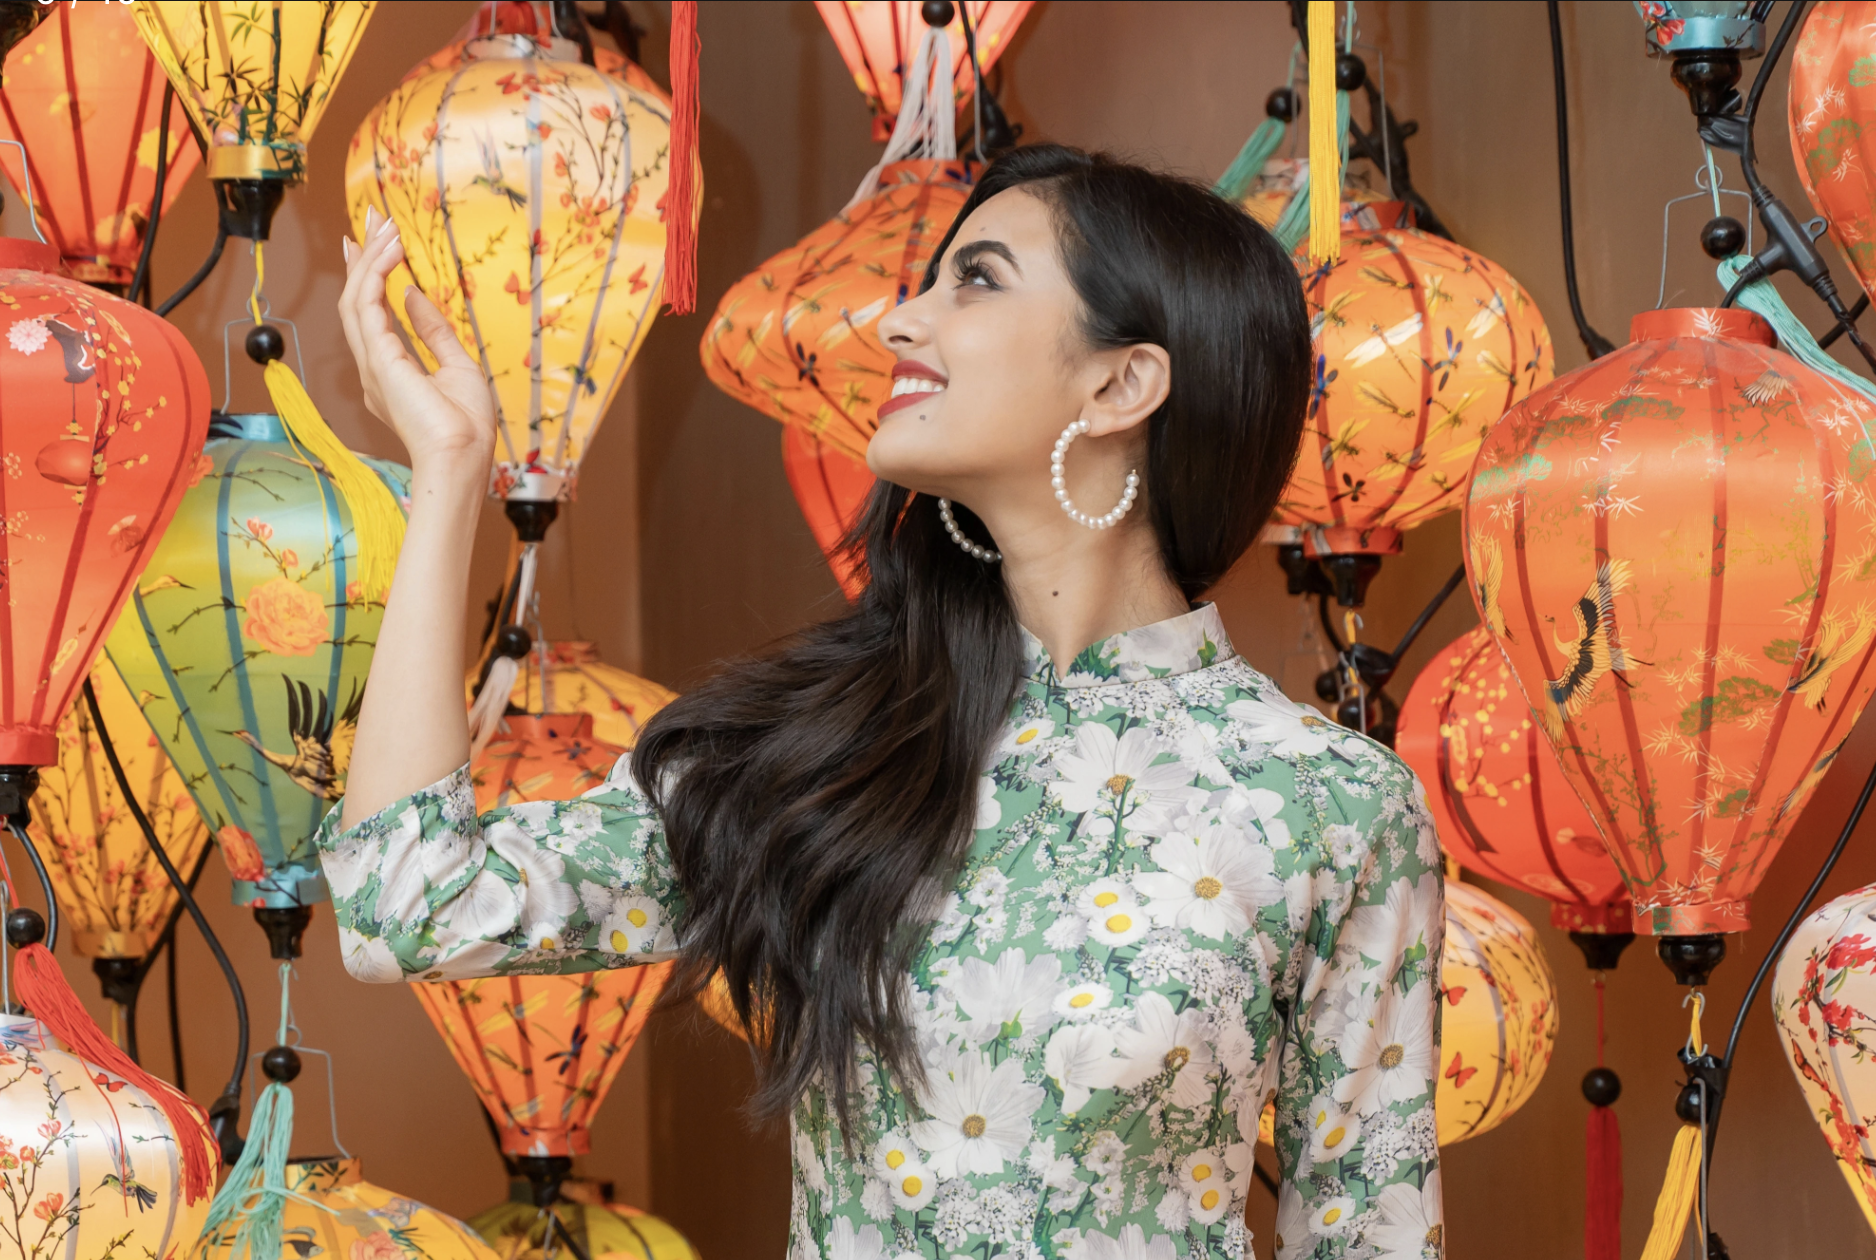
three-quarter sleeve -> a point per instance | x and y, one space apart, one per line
427 889
1356 1137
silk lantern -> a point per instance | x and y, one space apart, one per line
542 1051
1823 995
1664 544
112 893
1419 347
831 489
331 1210
1832 108
84 97
103 411
247 642
516 1229
798 338
256 79
89 1163
535 19
877 40
1500 1022
529 191
567 677
1498 796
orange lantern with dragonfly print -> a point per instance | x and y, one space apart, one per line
1832 106
103 412
84 97
566 676
798 338
831 489
541 1051
877 40
1420 346
1502 803
1668 546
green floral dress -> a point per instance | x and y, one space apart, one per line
1186 893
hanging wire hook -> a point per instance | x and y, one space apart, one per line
1710 183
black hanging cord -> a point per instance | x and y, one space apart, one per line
166 940
1426 614
181 886
140 279
175 299
1594 342
175 1018
1856 312
45 883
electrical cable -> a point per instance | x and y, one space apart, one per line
181 886
45 883
1426 614
1594 342
140 279
1856 312
175 299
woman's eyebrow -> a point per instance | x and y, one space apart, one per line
970 252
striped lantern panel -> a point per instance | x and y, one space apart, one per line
1501 801
1500 1022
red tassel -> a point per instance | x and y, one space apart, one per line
1602 1219
43 989
680 202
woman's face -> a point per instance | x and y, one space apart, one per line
991 363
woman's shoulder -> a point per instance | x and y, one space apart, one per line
1262 739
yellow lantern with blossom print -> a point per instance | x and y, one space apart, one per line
529 191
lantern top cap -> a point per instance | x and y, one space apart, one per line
505 46
1723 324
534 726
19 254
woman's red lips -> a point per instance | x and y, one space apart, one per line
909 370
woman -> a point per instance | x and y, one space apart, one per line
1033 889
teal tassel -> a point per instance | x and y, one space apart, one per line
1249 164
1762 299
1293 224
254 1197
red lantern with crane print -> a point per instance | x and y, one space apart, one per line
1666 545
103 412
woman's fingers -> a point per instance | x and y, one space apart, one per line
433 328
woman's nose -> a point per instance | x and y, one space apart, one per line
903 327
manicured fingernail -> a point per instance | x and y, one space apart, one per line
371 219
345 247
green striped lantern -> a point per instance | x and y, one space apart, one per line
247 644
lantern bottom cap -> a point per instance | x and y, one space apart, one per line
282 889
1573 916
29 746
1705 918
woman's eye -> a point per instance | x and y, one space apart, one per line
976 275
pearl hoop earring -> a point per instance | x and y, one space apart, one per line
957 536
1058 479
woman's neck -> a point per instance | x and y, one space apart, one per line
1073 586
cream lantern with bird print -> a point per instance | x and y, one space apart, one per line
1669 546
89 1164
247 643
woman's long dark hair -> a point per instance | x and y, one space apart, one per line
817 799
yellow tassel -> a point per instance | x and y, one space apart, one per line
1679 1196
1325 150
377 521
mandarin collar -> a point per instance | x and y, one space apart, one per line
1164 649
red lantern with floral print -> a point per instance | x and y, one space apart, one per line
1668 545
1832 107
1502 803
830 488
103 411
84 98
878 38
798 338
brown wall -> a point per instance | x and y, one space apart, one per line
686 547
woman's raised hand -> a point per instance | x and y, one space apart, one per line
446 417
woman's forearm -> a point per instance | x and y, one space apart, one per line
413 728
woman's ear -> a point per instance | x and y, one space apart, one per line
1133 385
